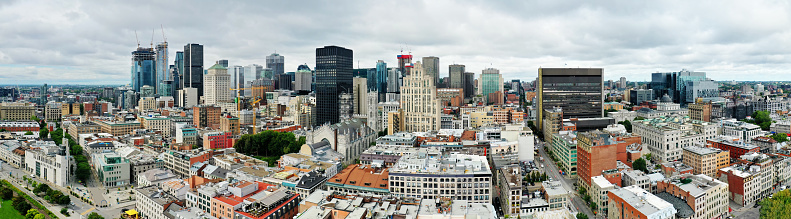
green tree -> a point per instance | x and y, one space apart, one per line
648 156
31 213
762 119
638 118
43 133
39 216
639 164
780 137
28 133
626 124
94 215
6 193
41 188
83 171
582 216
779 206
20 204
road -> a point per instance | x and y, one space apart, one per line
552 171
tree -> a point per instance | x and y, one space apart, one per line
779 206
639 164
582 216
31 213
638 118
648 156
39 216
626 124
6 193
43 133
94 215
3 130
762 119
780 137
28 133
41 188
83 171
20 204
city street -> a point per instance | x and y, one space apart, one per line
552 171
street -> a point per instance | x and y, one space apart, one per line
552 171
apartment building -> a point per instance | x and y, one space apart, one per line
162 124
600 186
634 202
598 151
461 176
735 147
748 182
360 179
230 124
118 128
705 160
152 202
741 130
181 161
510 180
52 111
76 129
564 144
666 136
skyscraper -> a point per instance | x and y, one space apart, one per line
143 68
216 85
223 63
333 76
469 85
360 94
276 63
393 81
42 93
163 67
683 86
178 77
456 75
303 78
578 91
237 79
193 67
403 61
381 79
622 83
254 70
490 82
431 66
419 101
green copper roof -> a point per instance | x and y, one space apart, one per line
217 66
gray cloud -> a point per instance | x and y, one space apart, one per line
91 41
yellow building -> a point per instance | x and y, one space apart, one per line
704 160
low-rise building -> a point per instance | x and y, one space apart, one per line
741 130
461 176
360 179
181 161
19 126
768 145
401 139
600 186
48 162
17 111
162 124
557 197
705 160
154 177
218 140
13 153
634 202
112 169
706 197
510 181
635 178
747 183
152 202
76 129
389 155
666 136
736 147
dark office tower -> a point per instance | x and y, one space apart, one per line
276 63
193 67
578 91
333 77
223 63
431 67
143 68
469 85
42 93
284 82
456 76
178 64
403 61
381 79
163 69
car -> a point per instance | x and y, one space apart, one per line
32 176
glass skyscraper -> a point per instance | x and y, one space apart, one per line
143 68
276 63
578 91
192 74
333 77
491 81
381 79
163 67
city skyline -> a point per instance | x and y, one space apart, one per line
73 43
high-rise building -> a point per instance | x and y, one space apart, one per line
639 96
193 67
223 63
393 80
178 77
163 68
303 78
381 79
254 70
684 86
622 83
431 66
456 76
237 79
490 82
284 81
42 94
333 76
276 63
419 102
469 85
360 93
143 68
216 85
403 61
578 91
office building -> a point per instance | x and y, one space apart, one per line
665 137
403 62
143 68
333 77
600 187
17 111
178 72
276 62
419 101
188 97
700 110
469 85
705 160
578 91
639 96
206 116
48 162
490 82
456 75
600 151
683 86
359 95
162 68
255 71
42 94
237 80
743 131
216 85
431 66
112 169
748 182
152 202
381 79
303 79
192 74
393 80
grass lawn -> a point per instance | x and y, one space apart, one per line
8 211
272 161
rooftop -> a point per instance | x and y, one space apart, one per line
358 175
441 164
702 150
642 200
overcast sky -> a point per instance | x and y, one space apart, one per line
90 42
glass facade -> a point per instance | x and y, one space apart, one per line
333 76
491 82
192 76
143 68
381 79
163 68
578 91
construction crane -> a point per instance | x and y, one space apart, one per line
258 99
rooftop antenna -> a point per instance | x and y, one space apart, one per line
137 39
163 33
